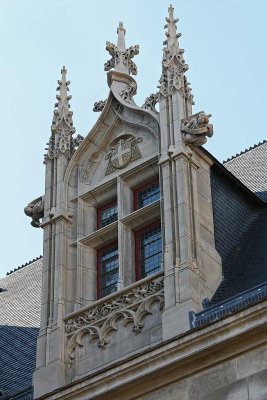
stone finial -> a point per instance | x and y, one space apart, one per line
121 58
61 139
173 49
173 63
62 106
121 37
196 128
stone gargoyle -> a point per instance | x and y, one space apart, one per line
35 210
196 128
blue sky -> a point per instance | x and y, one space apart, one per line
225 47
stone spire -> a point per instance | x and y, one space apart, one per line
173 63
61 140
62 112
121 58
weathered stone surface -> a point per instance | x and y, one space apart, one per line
137 343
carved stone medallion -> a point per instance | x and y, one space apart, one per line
123 150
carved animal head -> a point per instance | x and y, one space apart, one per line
28 210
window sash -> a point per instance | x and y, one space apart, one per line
107 270
107 214
148 250
146 194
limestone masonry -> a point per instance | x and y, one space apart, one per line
154 268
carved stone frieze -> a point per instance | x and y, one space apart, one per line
196 128
127 93
99 105
123 151
35 210
151 102
100 320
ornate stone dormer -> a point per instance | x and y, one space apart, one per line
101 293
173 64
121 59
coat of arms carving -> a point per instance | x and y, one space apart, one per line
124 149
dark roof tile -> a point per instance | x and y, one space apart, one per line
20 314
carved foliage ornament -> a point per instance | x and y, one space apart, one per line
62 142
196 129
188 91
77 141
127 93
99 105
123 151
121 56
151 102
99 321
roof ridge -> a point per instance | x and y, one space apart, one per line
245 151
24 265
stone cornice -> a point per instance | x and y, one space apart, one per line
56 218
200 153
179 357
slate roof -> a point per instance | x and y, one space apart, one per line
240 227
250 168
20 314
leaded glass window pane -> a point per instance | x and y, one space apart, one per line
107 215
108 268
147 194
149 250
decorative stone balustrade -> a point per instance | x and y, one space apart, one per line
99 319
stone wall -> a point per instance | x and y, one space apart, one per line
241 378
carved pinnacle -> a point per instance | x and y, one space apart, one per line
121 59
